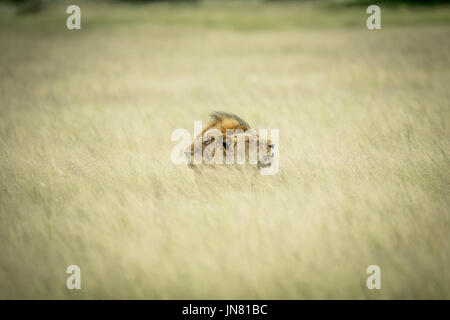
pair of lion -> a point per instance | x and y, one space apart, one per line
226 134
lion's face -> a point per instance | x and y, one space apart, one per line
237 148
256 148
234 139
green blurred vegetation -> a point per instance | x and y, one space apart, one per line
236 15
390 2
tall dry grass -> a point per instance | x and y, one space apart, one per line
86 176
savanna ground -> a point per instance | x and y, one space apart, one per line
86 177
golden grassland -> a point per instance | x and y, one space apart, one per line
86 177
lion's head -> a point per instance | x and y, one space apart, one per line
233 138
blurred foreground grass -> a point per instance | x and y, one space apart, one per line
86 177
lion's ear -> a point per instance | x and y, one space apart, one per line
229 123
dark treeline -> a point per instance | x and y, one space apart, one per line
393 2
345 2
35 6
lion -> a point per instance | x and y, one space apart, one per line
228 134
